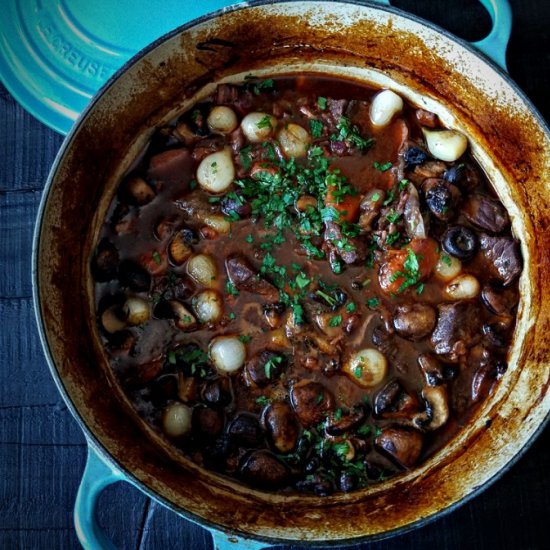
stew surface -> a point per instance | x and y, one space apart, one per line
306 284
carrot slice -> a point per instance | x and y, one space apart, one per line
409 266
347 205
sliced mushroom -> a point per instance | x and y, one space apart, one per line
187 388
282 427
401 445
217 392
179 250
437 409
207 422
339 424
113 319
414 222
311 401
134 276
435 372
394 401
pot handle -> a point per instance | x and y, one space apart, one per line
97 475
495 43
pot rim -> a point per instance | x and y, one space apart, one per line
91 438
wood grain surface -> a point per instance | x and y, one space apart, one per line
42 450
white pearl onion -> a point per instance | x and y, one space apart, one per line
463 287
228 353
176 420
294 140
448 267
385 105
367 367
208 307
445 145
216 172
136 311
203 270
255 133
222 120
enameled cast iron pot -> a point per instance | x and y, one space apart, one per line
377 45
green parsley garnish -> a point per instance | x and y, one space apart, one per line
351 307
382 167
373 303
265 122
244 338
156 257
316 127
231 289
446 259
335 321
350 134
263 400
322 103
232 316
245 157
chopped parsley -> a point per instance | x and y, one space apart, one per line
350 134
410 273
263 400
316 127
258 86
382 167
246 159
373 303
156 257
403 185
351 307
232 316
335 321
271 365
244 338
446 259
231 289
265 122
322 103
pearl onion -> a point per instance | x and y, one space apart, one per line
445 145
136 311
257 127
203 270
176 420
294 140
216 172
384 107
463 287
228 353
222 120
447 268
367 368
208 307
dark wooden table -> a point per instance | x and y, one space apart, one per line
42 450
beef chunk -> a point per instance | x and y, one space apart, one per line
486 213
350 249
504 257
458 328
171 166
244 277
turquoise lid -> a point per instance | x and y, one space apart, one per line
55 54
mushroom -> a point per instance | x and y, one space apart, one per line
105 262
264 367
339 424
207 422
262 469
136 310
245 430
282 426
134 276
393 401
435 372
217 392
244 277
311 401
414 320
179 250
113 319
401 445
135 190
436 413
